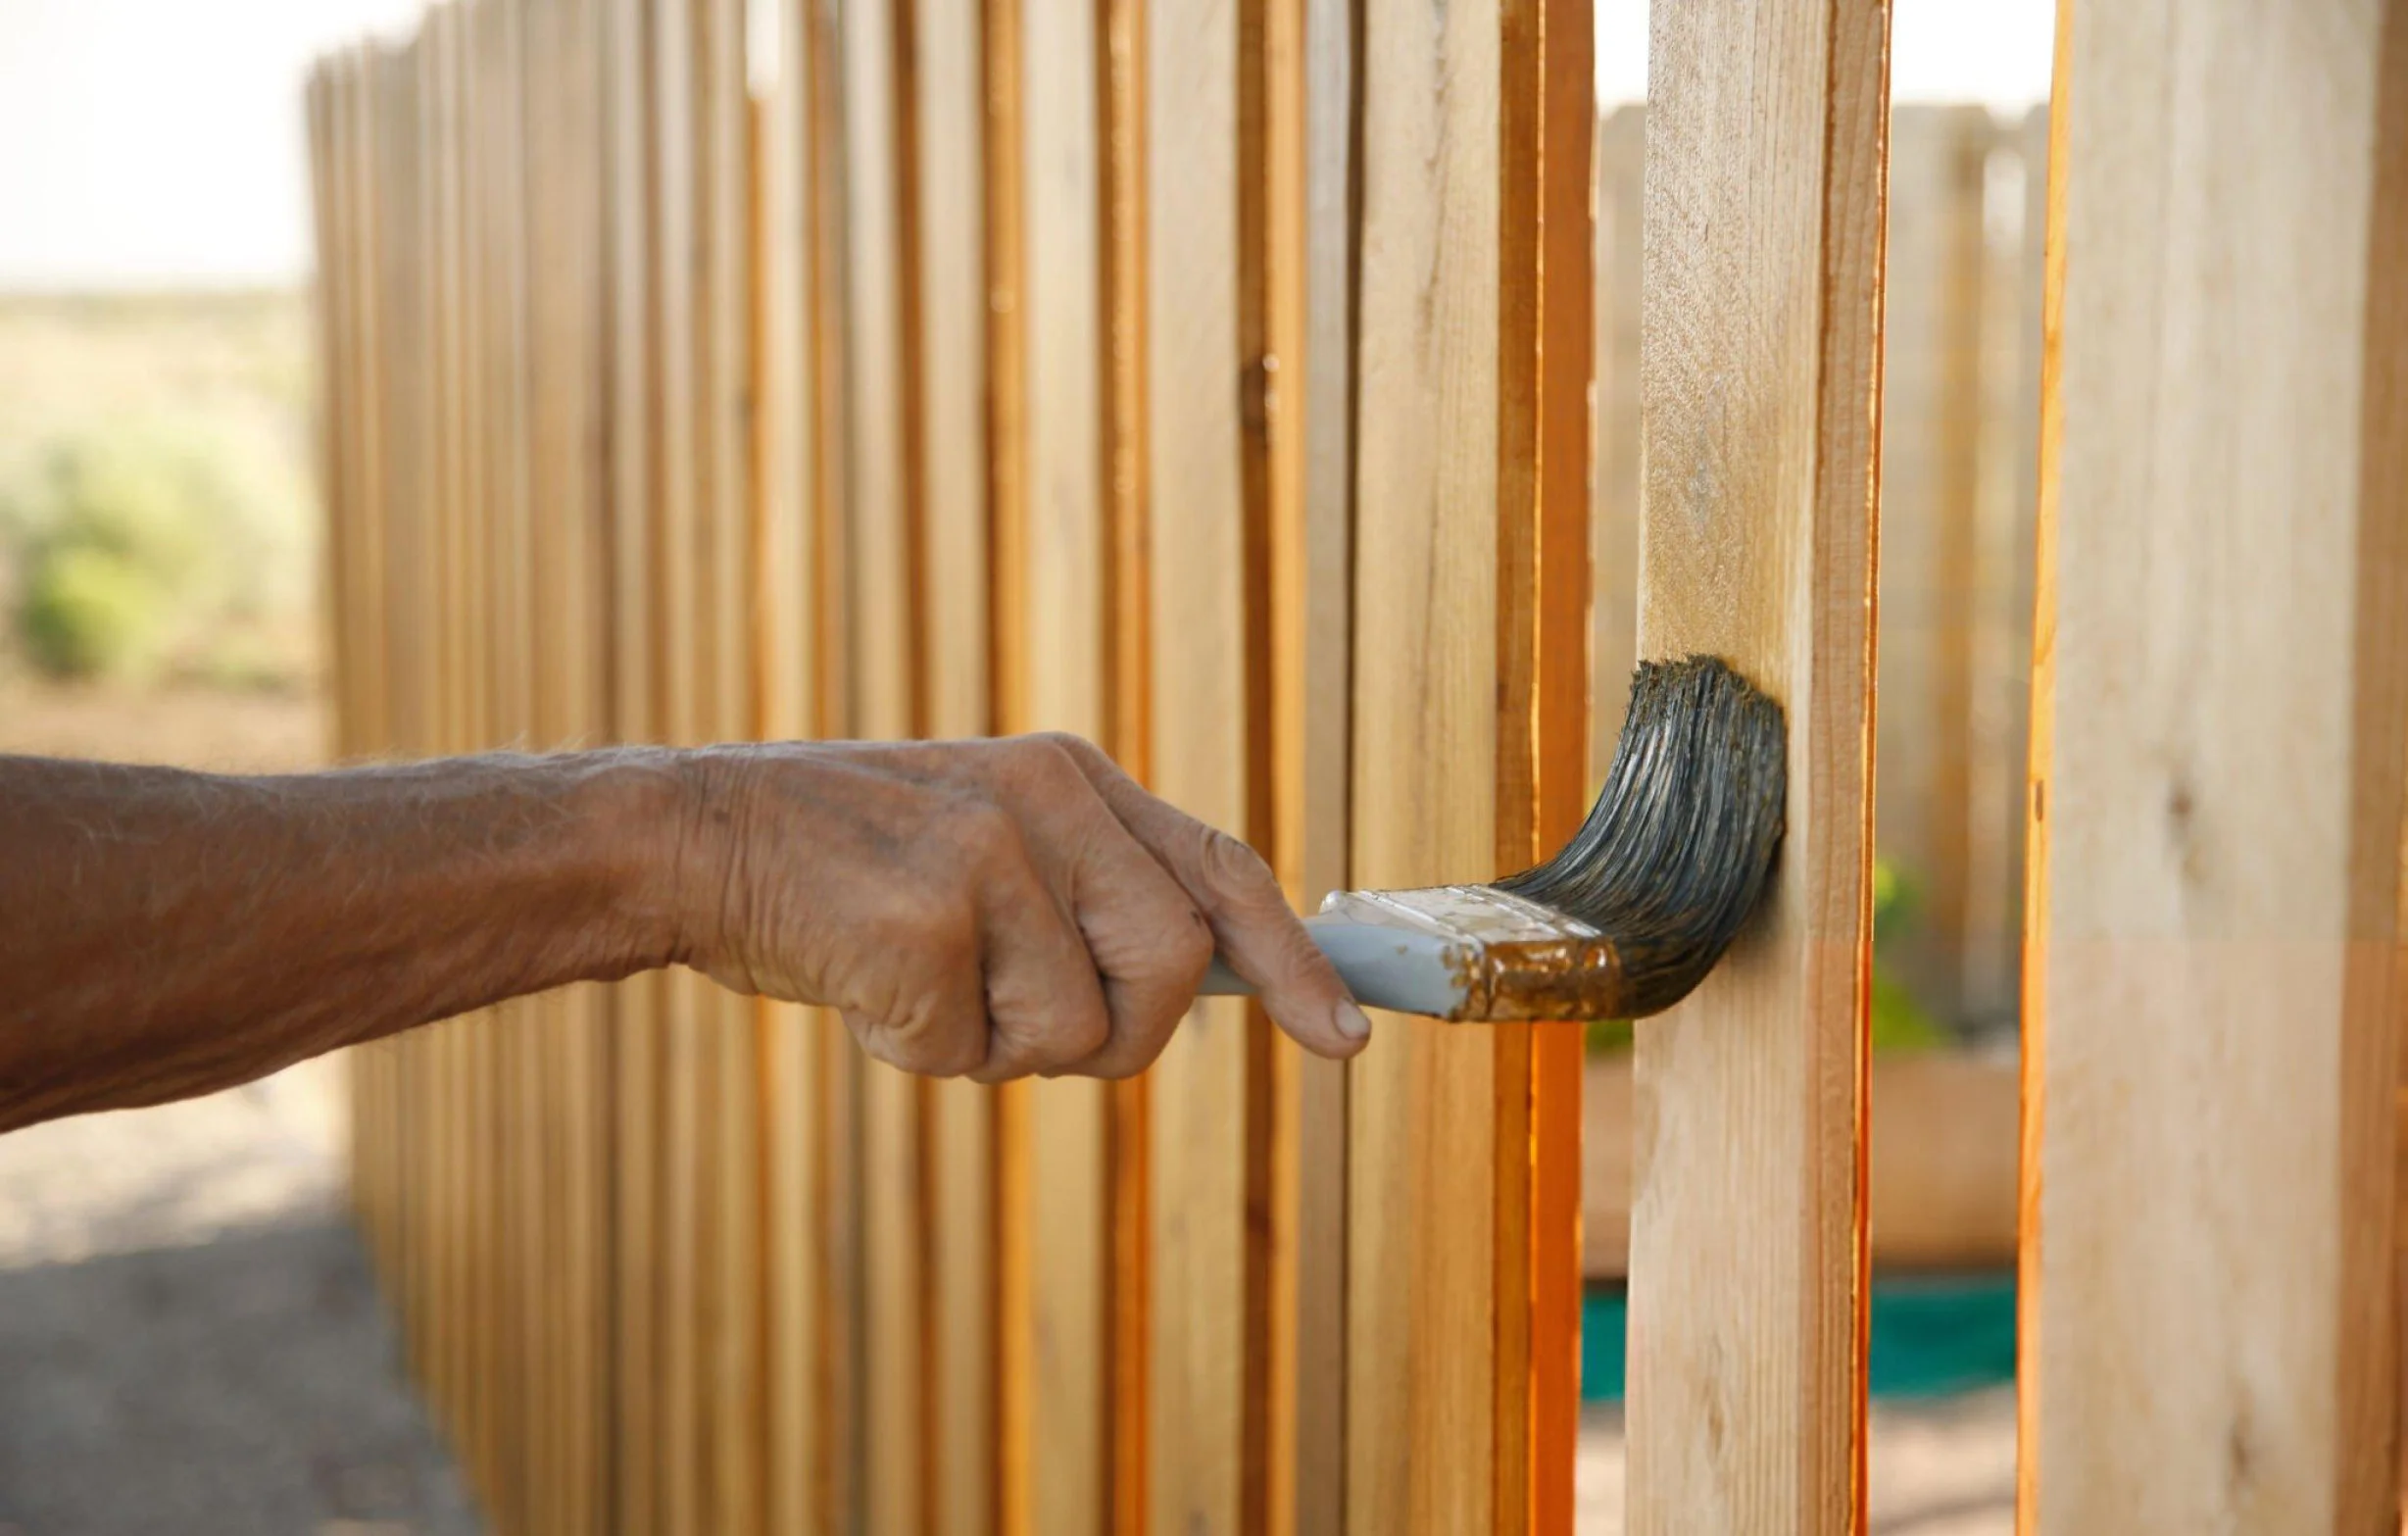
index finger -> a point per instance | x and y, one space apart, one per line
1250 921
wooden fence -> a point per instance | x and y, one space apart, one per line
1213 378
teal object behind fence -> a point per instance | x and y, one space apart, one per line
1931 1336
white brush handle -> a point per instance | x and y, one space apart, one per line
1402 968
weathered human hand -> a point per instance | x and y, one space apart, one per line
988 908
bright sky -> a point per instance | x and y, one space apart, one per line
149 143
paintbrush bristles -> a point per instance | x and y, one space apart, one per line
1680 846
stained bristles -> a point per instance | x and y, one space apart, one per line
1680 844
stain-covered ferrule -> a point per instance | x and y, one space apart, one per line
1504 958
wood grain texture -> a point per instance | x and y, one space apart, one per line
568 421
1008 647
1422 1309
837 1468
523 1467
956 1119
881 512
1551 64
1760 371
1206 464
788 675
399 433
1940 1176
1313 111
465 229
724 537
2223 672
1124 136
679 1225
456 1193
634 716
1063 682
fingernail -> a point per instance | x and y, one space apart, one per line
1353 1022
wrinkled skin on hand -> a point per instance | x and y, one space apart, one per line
990 909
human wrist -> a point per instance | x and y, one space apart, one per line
648 825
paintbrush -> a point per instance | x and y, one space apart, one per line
1636 909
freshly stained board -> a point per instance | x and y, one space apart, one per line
1760 358
2212 987
1549 94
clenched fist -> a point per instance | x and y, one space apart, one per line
987 908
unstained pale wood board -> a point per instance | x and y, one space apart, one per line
2220 696
1313 111
567 331
1059 683
786 578
1759 361
1422 1309
724 539
880 511
680 1224
633 717
1207 495
957 1122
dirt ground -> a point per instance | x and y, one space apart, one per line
190 1341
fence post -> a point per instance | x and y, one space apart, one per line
2219 699
1760 366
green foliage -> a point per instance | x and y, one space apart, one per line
138 544
1899 1022
88 612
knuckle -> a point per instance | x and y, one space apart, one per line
1233 870
985 833
956 1048
1049 761
1065 747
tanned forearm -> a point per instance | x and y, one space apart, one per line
169 933
982 909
